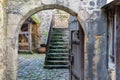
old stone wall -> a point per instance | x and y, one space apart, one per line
45 18
2 40
90 17
60 19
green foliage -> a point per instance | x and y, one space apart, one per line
46 33
36 19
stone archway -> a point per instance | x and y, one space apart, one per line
47 7
13 32
92 20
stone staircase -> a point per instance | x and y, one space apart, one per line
57 57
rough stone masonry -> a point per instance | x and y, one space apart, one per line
2 40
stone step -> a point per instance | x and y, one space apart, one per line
57 62
51 51
57 58
60 30
65 39
56 66
58 47
60 34
58 54
60 43
61 37
59 50
59 40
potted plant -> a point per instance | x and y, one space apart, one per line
42 49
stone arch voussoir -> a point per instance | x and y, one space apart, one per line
45 7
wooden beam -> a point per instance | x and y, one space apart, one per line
25 32
29 36
24 50
23 44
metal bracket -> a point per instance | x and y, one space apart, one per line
76 42
71 58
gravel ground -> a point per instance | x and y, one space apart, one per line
30 67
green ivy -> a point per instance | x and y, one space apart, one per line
36 19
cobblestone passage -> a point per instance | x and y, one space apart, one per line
30 67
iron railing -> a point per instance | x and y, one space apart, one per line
49 36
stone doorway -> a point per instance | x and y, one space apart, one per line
31 62
27 15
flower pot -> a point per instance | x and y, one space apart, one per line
41 50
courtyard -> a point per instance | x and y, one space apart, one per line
93 50
31 67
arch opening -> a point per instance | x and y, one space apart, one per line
46 7
56 6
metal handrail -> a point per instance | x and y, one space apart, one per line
49 35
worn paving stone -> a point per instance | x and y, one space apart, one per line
30 67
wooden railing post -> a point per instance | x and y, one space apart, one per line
30 37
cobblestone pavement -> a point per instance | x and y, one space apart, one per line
30 67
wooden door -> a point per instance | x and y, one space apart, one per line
117 41
77 55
